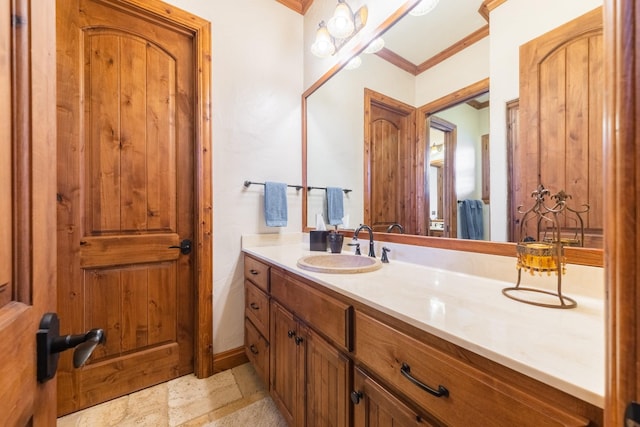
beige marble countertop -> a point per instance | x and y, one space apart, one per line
562 348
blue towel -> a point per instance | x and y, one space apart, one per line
275 204
335 206
471 222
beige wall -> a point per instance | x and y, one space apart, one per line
256 87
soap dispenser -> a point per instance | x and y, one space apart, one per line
335 240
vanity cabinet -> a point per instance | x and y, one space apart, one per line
375 406
257 315
310 378
334 361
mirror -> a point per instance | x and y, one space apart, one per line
334 152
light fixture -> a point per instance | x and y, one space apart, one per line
375 46
353 63
340 28
424 7
342 24
323 46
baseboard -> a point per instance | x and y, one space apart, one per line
229 359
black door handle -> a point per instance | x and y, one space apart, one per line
185 247
49 344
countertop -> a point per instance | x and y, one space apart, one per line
562 348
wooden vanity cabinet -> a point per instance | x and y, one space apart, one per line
310 377
375 406
333 361
256 310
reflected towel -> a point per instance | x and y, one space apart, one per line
335 205
275 204
471 222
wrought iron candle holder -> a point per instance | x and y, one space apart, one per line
544 253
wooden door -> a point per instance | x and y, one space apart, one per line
27 189
287 382
389 157
374 406
447 178
561 108
126 143
328 373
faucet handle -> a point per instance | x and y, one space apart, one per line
357 245
384 257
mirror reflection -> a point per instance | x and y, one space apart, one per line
434 173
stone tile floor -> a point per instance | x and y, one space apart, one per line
233 398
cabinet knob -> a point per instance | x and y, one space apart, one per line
291 334
254 306
253 349
356 396
299 340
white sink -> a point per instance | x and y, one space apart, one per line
339 263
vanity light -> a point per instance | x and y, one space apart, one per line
354 63
323 46
342 24
375 46
340 28
424 7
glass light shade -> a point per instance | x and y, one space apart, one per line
341 25
424 7
354 63
323 45
375 46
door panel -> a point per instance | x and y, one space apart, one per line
390 153
27 188
126 193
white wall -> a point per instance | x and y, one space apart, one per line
514 23
257 56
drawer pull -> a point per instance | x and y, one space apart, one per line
405 370
253 349
254 306
254 272
356 396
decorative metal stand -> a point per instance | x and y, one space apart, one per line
546 254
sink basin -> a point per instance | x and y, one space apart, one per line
339 263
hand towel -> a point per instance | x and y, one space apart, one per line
478 222
335 205
275 204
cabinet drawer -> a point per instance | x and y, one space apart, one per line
257 272
257 350
467 396
256 307
322 312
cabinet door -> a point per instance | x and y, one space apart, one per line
374 406
287 358
328 373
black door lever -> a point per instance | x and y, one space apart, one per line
185 247
50 344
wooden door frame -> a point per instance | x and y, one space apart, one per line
200 30
422 168
449 200
622 225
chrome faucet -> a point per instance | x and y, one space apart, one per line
395 225
366 227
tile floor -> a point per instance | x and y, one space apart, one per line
233 398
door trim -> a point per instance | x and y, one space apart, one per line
200 30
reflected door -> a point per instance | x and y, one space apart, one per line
560 140
389 163
125 198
